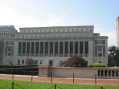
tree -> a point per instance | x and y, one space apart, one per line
113 56
29 61
75 61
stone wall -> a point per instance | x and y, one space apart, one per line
79 72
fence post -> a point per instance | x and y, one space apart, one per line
12 85
118 79
73 77
95 80
31 78
55 86
101 87
51 77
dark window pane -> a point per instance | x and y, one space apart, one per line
66 48
76 47
37 48
24 48
28 48
51 48
46 48
19 48
71 48
56 48
41 48
32 48
61 48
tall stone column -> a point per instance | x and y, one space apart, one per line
78 48
68 48
91 52
114 73
53 48
16 53
111 74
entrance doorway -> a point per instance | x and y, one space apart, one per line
50 63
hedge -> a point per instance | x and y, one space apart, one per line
98 65
22 70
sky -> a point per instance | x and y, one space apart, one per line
30 13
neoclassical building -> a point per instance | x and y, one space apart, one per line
51 45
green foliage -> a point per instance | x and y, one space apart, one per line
75 61
98 65
113 56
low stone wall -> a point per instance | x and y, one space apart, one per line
75 72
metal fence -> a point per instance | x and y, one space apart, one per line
13 74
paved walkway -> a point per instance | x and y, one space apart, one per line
61 80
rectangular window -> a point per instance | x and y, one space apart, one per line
37 48
76 47
19 48
9 51
51 48
41 48
28 48
32 48
46 48
71 48
24 48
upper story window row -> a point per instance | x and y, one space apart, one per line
53 35
5 34
42 30
99 41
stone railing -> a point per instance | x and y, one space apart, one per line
87 72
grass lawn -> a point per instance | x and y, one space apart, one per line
7 84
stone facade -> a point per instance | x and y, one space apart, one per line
51 45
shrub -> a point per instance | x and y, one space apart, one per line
75 61
98 65
23 70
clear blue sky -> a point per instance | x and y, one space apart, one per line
100 13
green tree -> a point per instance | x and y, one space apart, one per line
113 56
75 61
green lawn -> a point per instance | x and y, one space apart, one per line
7 84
